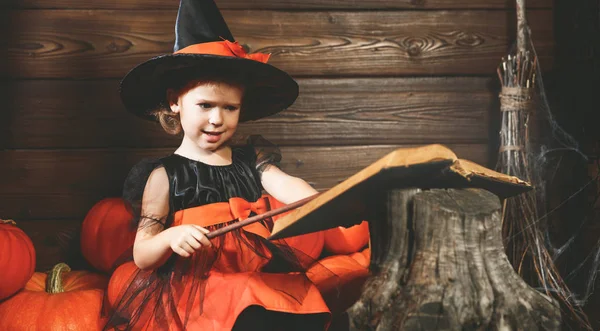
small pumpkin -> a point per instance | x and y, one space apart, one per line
340 278
106 233
61 300
17 260
119 281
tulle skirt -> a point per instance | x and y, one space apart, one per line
241 271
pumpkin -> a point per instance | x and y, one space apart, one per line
119 281
106 233
17 258
61 300
340 278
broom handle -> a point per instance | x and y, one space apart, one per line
257 218
522 27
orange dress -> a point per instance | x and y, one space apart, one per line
242 269
233 283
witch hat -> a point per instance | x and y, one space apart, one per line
204 44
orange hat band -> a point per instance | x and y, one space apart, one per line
223 48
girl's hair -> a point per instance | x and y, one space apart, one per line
168 120
181 84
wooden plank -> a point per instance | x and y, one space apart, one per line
89 114
55 241
105 43
64 184
279 4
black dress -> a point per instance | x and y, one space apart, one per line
265 288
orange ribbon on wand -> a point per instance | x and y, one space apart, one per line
258 218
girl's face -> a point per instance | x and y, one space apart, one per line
209 113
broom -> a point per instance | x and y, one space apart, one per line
524 241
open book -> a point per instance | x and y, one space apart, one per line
432 166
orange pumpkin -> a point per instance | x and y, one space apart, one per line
106 233
17 260
339 278
62 300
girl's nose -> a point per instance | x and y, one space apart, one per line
215 117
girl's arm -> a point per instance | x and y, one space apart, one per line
284 187
153 246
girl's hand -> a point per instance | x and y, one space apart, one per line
186 239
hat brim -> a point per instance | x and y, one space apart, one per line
269 90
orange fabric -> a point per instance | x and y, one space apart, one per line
228 294
222 212
342 240
363 258
331 285
310 244
233 283
224 48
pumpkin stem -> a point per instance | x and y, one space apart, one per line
54 281
8 222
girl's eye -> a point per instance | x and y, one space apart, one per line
205 105
231 108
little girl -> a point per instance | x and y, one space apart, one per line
179 279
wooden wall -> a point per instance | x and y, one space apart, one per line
374 75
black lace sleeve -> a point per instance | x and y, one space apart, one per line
267 153
133 191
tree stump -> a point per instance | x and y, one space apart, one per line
438 263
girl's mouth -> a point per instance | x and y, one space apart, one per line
212 137
212 133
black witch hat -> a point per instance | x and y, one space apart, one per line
203 43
